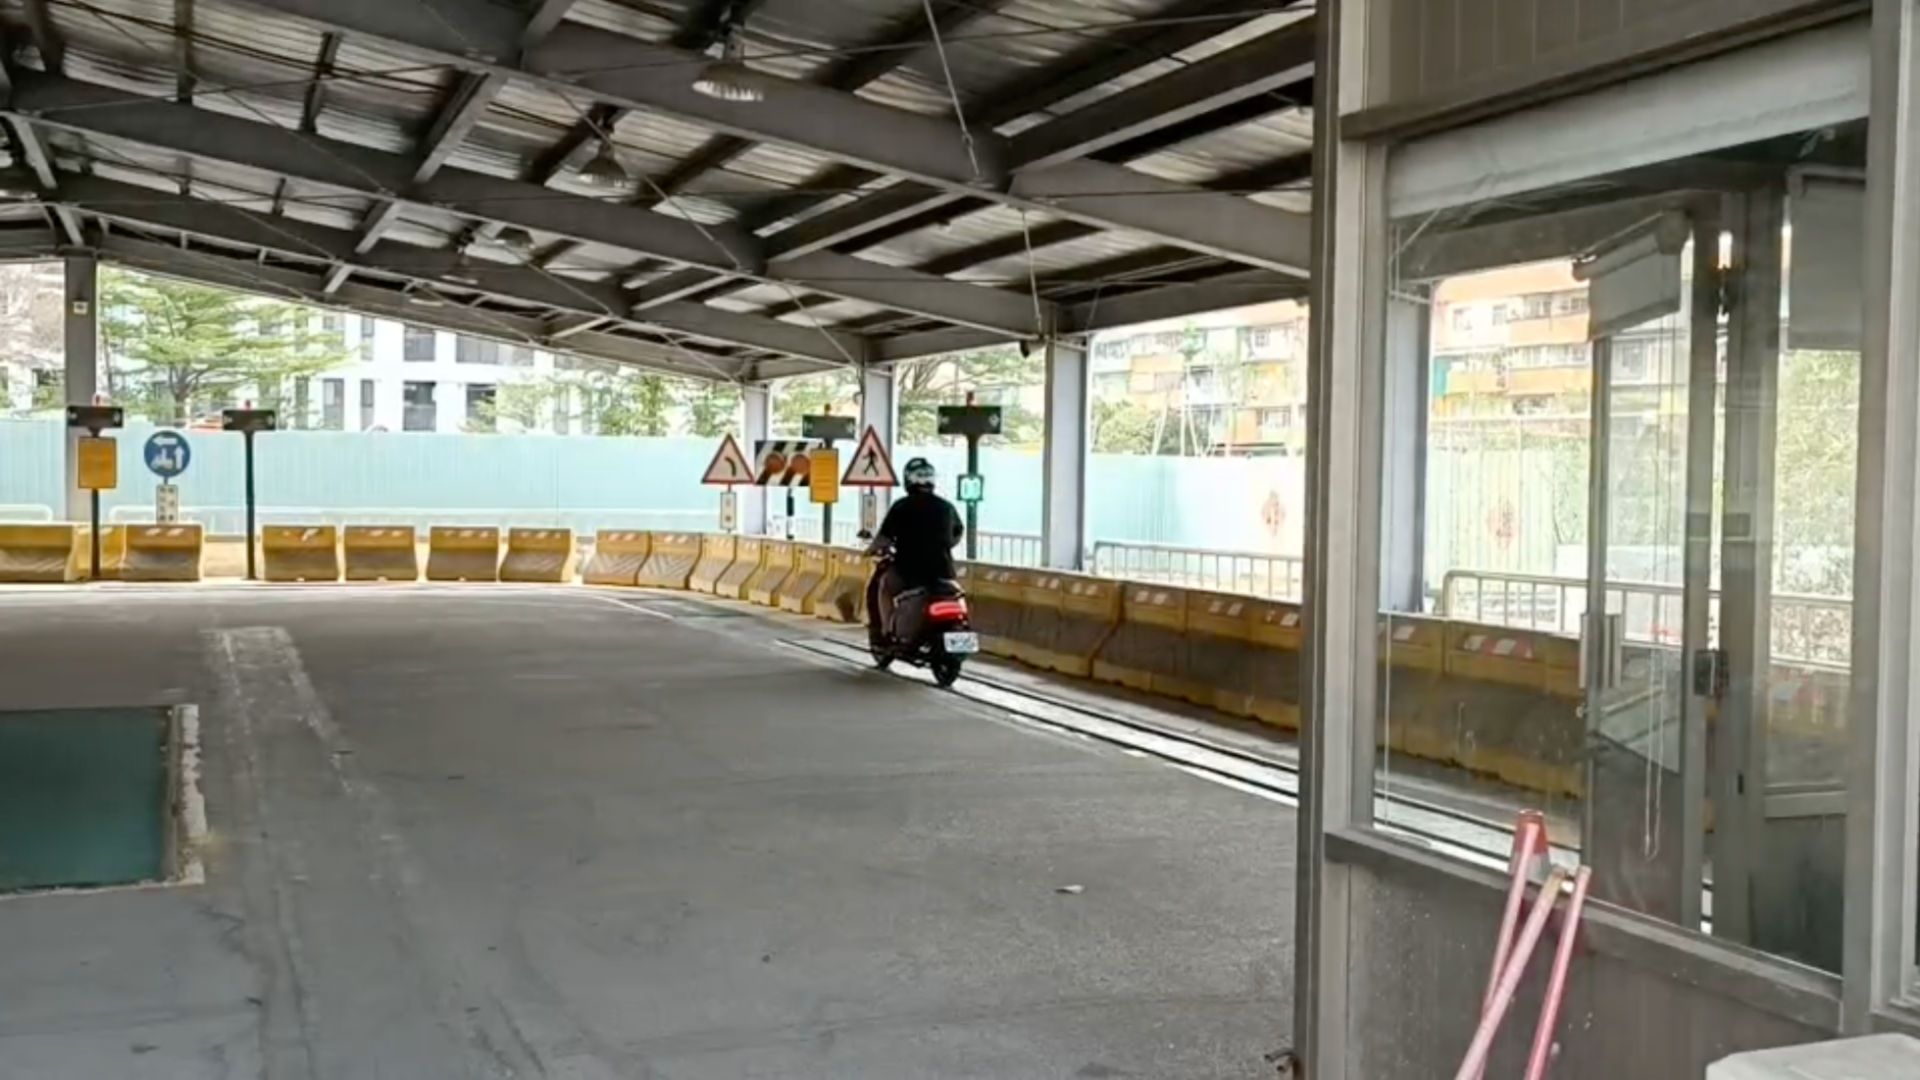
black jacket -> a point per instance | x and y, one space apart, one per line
924 529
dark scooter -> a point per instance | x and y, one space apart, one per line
929 627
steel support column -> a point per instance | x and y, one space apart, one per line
879 404
1883 784
80 317
1746 568
757 424
1345 347
1063 465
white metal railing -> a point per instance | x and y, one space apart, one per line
29 512
1276 577
1806 628
1010 549
232 520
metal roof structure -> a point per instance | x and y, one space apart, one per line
916 176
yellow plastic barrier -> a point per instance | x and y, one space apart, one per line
1499 703
618 555
776 562
747 555
717 551
539 555
993 603
463 553
670 563
113 552
1274 630
164 552
809 574
1220 652
1089 612
1144 651
38 553
844 597
300 553
380 553
1037 622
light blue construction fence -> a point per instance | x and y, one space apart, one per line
586 483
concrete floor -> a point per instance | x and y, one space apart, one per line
478 832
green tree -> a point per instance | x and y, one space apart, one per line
1817 451
175 348
619 400
1124 427
713 409
811 395
922 386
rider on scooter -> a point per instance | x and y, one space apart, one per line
923 529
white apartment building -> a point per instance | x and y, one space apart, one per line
410 378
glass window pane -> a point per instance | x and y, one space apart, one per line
1616 561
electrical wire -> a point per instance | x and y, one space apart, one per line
953 92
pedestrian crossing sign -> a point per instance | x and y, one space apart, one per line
870 466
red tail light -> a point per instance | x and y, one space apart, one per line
947 609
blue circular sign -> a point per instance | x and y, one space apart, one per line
168 454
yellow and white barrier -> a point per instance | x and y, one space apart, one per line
809 574
747 554
300 553
776 563
38 553
717 551
164 552
113 552
463 553
844 596
541 555
671 562
381 553
618 555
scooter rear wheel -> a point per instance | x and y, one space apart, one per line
882 659
946 672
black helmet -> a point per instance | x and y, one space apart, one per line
919 474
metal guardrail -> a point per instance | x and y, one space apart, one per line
231 520
1275 577
28 512
1806 628
1011 549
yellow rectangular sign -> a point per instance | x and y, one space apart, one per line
823 475
99 463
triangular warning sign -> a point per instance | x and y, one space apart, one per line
729 465
870 466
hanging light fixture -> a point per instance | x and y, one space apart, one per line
729 78
515 240
605 170
422 295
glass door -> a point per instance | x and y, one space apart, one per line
1646 633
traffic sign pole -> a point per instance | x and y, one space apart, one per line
247 422
250 569
826 509
99 463
973 507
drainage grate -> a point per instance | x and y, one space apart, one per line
85 797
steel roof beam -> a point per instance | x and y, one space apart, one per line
97 110
143 207
621 70
302 287
1249 72
33 153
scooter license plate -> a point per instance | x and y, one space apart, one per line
962 642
